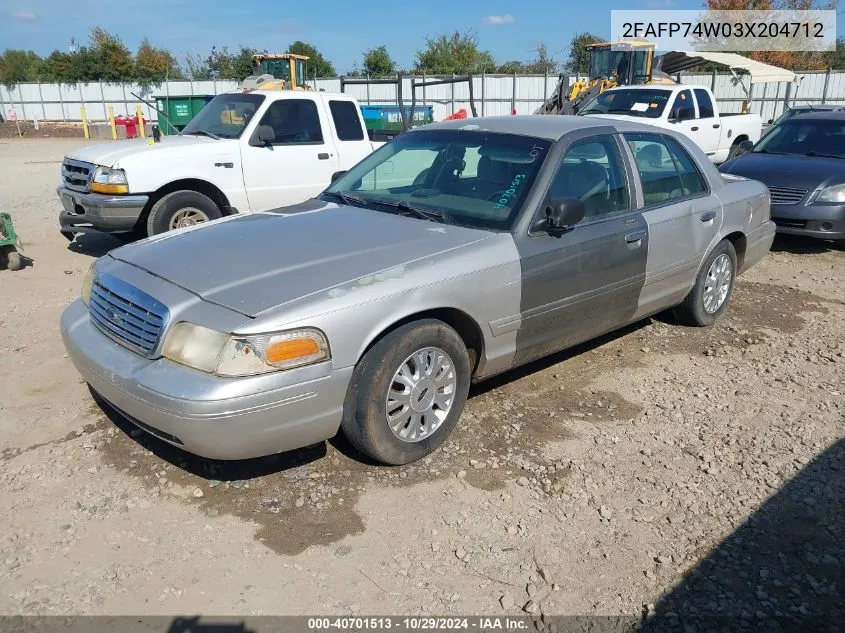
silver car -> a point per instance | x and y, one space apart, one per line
455 252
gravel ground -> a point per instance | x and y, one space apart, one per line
660 469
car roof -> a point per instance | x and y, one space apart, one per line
549 126
819 115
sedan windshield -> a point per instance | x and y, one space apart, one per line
464 177
640 103
808 137
225 116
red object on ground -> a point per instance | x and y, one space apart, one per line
513 112
131 124
460 114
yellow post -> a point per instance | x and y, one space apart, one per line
111 122
140 116
84 122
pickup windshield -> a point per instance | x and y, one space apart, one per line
462 177
639 103
808 137
225 116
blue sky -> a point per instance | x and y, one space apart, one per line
342 30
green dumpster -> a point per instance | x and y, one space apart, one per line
180 109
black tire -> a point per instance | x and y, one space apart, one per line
14 261
692 310
166 208
365 409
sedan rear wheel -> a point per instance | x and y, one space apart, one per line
713 287
407 392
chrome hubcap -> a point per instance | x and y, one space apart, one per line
421 394
717 284
189 216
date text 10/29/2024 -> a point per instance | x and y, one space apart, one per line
402 624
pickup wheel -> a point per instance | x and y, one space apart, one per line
180 209
713 287
407 393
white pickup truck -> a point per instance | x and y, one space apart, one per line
690 110
245 151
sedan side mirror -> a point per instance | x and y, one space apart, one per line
743 148
264 135
563 213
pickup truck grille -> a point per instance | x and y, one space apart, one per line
77 175
785 195
126 315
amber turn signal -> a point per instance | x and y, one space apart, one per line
291 349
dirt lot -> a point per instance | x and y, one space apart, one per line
662 467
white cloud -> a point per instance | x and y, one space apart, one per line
498 19
25 16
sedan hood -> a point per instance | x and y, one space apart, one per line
111 152
788 170
257 262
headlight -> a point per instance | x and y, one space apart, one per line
234 355
108 180
835 194
87 284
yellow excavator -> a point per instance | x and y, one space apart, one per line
277 71
628 63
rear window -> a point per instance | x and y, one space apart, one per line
347 121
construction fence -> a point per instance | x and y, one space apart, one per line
493 95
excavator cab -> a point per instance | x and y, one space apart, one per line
625 63
278 71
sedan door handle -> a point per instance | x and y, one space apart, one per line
323 156
706 217
716 126
694 128
636 236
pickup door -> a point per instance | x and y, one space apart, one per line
696 118
314 138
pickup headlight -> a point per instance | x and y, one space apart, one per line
108 180
834 194
87 284
235 355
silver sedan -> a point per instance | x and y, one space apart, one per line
455 252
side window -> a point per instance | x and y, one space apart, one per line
683 108
347 121
705 105
666 170
592 171
294 121
692 182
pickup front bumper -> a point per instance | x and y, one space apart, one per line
95 212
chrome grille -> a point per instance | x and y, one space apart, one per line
785 195
127 315
76 174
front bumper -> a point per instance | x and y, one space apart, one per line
823 221
96 212
220 418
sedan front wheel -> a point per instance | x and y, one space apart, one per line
407 392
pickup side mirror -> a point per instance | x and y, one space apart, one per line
337 175
264 135
562 213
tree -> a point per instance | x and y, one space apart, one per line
511 67
378 63
456 53
228 65
112 61
19 66
318 65
579 58
543 64
197 67
155 65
